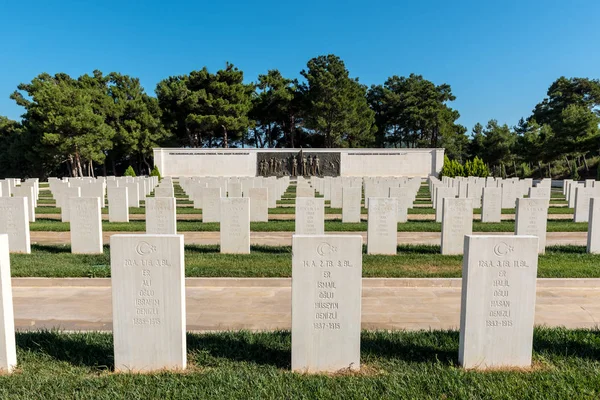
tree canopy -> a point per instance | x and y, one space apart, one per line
104 124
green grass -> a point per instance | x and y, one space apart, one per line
412 261
48 225
244 365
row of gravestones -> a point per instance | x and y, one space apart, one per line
148 302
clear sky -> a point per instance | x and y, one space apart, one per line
499 56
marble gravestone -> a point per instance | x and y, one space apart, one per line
14 222
326 302
118 204
441 194
211 204
582 203
382 226
498 301
28 192
351 204
457 221
8 349
161 218
68 193
491 209
235 225
310 216
148 302
133 194
531 219
336 195
259 204
164 191
593 236
86 225
305 191
234 189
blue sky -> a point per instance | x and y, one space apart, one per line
499 56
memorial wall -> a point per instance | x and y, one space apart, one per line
299 162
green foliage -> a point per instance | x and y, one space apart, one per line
476 168
336 105
452 168
526 171
129 171
155 172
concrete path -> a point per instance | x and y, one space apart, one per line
285 238
265 303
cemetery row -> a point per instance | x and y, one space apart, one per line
148 302
235 212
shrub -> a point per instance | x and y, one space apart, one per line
129 171
574 172
526 170
155 172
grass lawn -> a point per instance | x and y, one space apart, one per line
48 225
234 365
412 261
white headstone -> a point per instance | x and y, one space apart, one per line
148 296
305 191
457 221
498 301
593 237
531 219
86 225
582 203
326 302
509 195
491 210
382 225
351 204
133 194
14 222
235 225
441 194
310 216
336 195
211 204
8 349
234 189
161 217
164 191
118 204
259 204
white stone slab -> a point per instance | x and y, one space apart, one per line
491 209
164 191
211 204
86 225
234 189
28 193
14 221
540 192
498 301
118 204
531 219
161 217
65 208
326 302
8 349
336 195
259 204
593 238
509 195
133 194
405 201
382 225
305 191
351 204
310 216
441 194
235 225
582 203
148 296
457 221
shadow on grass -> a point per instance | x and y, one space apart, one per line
79 349
562 342
271 348
566 249
52 249
419 346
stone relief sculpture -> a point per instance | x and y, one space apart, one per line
298 163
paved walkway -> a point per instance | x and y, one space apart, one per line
265 303
285 238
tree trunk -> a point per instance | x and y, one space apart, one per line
147 164
585 163
225 142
